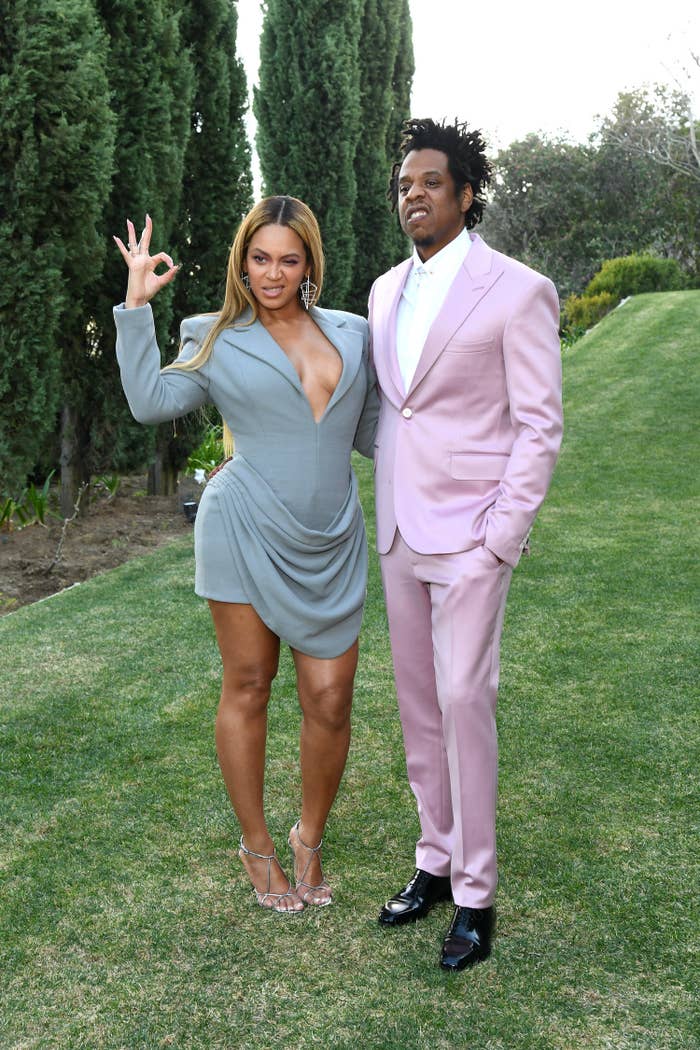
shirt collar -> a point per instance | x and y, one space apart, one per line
447 259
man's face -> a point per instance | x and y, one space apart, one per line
430 211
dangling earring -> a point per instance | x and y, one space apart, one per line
308 291
245 280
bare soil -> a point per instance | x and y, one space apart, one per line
111 532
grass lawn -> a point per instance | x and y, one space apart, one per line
127 920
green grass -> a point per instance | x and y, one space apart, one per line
126 918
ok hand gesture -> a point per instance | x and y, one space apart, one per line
144 282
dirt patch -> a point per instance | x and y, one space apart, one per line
111 532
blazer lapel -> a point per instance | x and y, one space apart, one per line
475 278
347 342
255 340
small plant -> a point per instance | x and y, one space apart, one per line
571 335
14 514
109 483
208 453
38 501
31 507
7 512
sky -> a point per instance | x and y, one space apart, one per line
531 65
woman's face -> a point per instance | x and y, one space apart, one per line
276 264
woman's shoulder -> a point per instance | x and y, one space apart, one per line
196 327
344 317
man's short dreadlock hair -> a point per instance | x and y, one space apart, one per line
466 158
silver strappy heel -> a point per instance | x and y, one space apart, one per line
266 899
308 890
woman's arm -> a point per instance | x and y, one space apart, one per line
366 431
155 396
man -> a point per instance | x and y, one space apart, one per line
466 350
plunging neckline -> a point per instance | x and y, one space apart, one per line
299 383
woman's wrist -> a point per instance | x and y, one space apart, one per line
131 302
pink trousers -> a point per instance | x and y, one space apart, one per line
445 620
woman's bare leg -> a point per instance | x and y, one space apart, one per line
325 695
250 655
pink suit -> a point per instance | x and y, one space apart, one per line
463 461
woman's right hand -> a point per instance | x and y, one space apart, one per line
143 282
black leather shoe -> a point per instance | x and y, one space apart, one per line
416 899
468 939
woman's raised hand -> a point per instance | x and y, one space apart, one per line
144 282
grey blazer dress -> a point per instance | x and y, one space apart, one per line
280 526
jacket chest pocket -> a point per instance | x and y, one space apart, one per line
475 346
478 466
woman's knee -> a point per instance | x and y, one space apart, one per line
328 706
247 689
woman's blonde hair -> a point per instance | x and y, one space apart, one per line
272 211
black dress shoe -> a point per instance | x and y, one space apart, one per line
468 939
416 899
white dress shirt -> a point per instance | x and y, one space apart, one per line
424 293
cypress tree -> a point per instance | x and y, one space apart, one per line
386 71
151 79
401 83
217 183
216 193
308 110
56 141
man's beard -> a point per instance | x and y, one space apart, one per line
424 242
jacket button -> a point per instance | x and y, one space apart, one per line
406 413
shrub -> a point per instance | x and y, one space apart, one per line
570 335
581 312
634 274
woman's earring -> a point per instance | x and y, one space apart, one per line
245 279
308 292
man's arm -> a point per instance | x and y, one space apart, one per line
532 355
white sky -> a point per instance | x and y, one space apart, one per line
514 67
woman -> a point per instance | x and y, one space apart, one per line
280 546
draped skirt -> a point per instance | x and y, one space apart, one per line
308 586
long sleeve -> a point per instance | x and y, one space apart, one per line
155 396
366 432
532 357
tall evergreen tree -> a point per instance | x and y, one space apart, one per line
151 79
217 183
56 141
386 59
402 81
308 112
216 193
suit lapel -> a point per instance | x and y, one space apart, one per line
477 275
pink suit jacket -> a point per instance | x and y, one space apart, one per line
465 457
